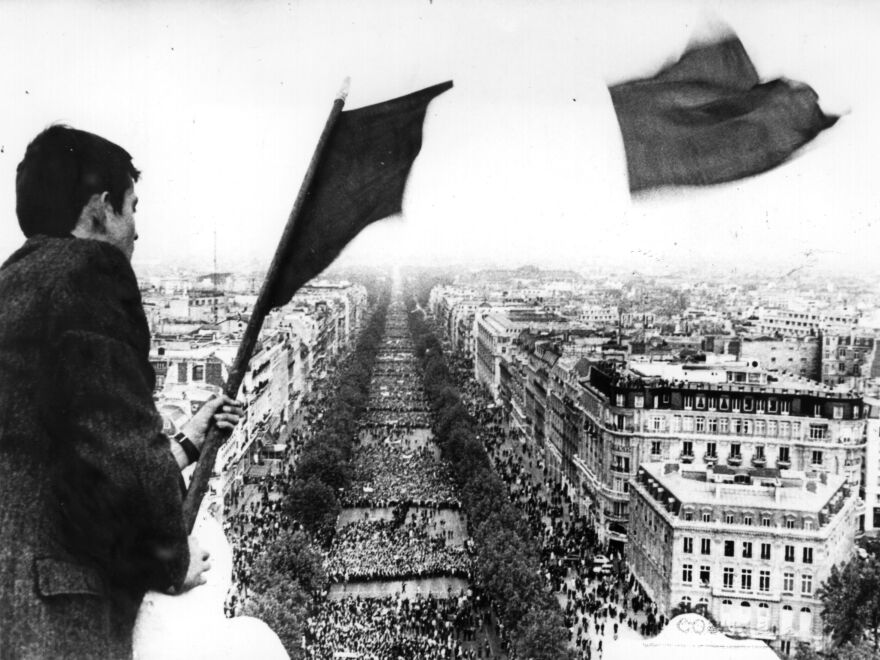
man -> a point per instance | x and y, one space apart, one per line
90 488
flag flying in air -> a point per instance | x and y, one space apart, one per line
359 179
707 118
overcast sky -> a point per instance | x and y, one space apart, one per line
221 104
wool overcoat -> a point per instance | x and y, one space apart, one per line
90 494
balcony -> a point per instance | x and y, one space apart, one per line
687 458
783 463
710 459
759 461
734 460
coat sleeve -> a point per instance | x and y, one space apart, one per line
117 485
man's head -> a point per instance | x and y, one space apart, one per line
74 182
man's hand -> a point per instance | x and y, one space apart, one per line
198 564
225 411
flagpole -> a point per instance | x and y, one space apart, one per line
215 437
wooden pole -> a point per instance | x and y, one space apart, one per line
216 437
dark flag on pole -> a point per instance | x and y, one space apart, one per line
707 119
359 178
356 176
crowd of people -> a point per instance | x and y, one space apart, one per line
391 473
390 628
391 550
597 600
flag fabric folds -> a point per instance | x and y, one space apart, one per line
707 118
359 179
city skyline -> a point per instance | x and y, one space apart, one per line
522 162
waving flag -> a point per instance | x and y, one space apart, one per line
359 179
707 118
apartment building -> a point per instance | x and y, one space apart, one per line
750 547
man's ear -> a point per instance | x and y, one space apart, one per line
93 218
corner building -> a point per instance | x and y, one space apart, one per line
707 415
748 547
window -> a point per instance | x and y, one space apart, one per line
789 553
747 427
707 516
676 423
728 577
773 405
818 431
656 423
700 425
620 401
688 544
724 403
711 449
712 402
783 454
784 429
723 425
655 448
687 573
765 551
688 402
760 427
701 402
705 575
806 584
766 522
747 520
789 524
747 404
705 546
735 449
760 405
728 519
746 579
735 405
198 372
796 429
808 555
759 451
713 425
639 401
764 581
728 548
738 426
837 412
788 582
772 428
816 457
817 410
688 426
747 549
687 448
808 524
785 407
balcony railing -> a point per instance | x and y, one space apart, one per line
783 463
734 459
687 457
759 461
710 458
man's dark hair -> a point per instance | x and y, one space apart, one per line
62 168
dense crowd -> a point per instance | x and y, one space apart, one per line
389 550
394 472
391 628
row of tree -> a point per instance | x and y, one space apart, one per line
287 577
507 555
